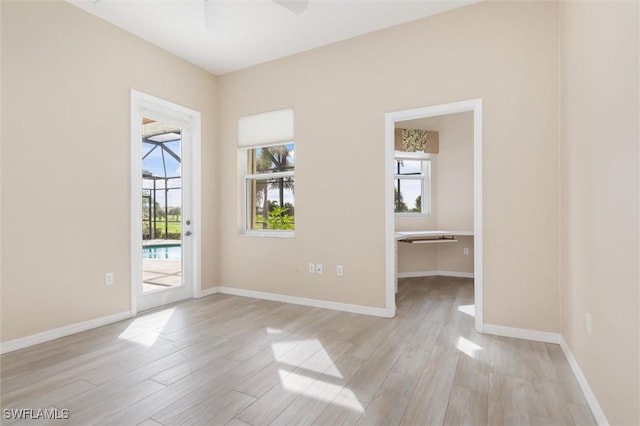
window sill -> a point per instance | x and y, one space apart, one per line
273 234
416 215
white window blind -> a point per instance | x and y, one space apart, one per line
268 128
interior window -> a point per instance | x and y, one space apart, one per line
411 185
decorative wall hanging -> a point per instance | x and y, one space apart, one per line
417 140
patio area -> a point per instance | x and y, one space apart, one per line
160 273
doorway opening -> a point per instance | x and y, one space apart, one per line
411 158
165 211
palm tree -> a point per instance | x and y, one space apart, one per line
275 159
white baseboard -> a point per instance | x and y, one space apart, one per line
316 303
522 333
435 273
206 292
547 337
598 414
45 336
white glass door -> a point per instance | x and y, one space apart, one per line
163 244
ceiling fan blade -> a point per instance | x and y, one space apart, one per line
295 6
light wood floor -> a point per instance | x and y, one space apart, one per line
232 360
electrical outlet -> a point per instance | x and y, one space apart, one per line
339 271
587 321
319 268
312 268
466 251
108 278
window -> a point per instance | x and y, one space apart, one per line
267 151
411 175
269 187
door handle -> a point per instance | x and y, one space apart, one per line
188 233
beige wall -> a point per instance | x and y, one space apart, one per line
418 257
504 53
447 257
452 198
66 77
599 185
451 256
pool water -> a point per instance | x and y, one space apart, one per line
162 252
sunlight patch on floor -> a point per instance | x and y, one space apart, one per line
280 349
332 371
320 390
315 376
294 382
350 403
468 347
145 330
468 309
324 364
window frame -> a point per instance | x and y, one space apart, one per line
246 179
424 177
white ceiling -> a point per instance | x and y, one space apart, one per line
227 35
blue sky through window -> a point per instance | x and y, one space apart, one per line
156 165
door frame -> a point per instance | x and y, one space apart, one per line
145 104
475 106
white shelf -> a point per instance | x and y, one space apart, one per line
434 234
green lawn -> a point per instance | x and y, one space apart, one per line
173 227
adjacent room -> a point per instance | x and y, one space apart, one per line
316 212
434 196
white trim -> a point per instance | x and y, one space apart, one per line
425 186
196 203
267 233
475 106
136 189
477 213
144 104
418 274
316 303
267 176
206 292
404 155
596 410
245 177
410 177
412 214
547 337
389 214
56 333
522 333
412 234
